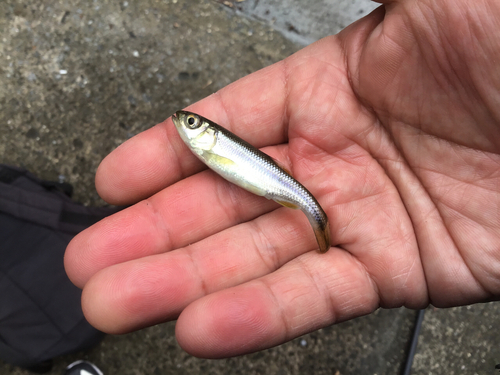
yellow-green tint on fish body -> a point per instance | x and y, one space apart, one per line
242 164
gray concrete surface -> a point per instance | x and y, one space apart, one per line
306 24
77 78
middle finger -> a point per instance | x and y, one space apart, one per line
179 215
157 288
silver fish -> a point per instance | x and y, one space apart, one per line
242 164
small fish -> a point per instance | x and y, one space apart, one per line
242 164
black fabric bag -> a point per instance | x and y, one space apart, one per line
40 311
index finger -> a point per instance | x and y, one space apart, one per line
253 107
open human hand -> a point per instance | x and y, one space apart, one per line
393 125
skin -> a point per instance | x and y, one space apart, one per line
393 125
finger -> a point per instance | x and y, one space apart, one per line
252 107
184 213
310 292
256 107
153 289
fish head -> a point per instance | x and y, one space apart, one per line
189 125
194 130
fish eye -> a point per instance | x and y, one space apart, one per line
193 121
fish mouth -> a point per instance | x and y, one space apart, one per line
176 118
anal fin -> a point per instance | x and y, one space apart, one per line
287 204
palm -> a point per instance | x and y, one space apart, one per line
397 141
440 110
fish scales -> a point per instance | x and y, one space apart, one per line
242 164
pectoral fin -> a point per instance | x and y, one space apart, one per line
215 159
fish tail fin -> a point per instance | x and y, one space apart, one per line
322 234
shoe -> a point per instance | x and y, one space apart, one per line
82 368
